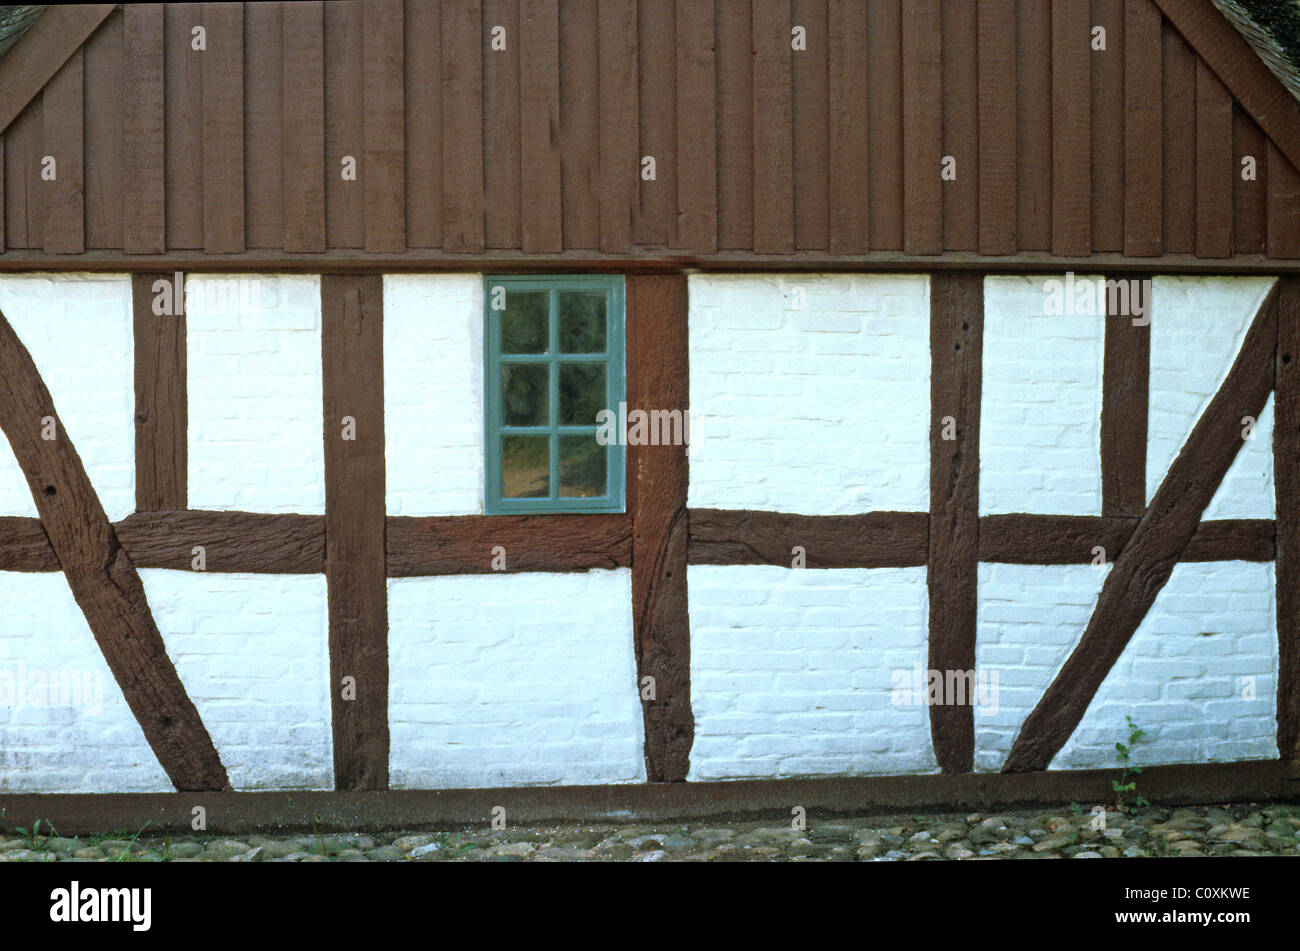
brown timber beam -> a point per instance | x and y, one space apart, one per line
358 261
1162 534
656 498
1251 83
874 540
1126 371
233 813
352 365
161 404
100 573
1286 483
956 343
42 51
260 543
462 544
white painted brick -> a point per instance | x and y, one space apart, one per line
253 653
1197 327
82 742
1183 665
77 327
1042 609
255 403
1040 410
773 698
519 679
839 422
433 393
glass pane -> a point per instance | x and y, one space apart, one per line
523 322
525 394
525 467
582 321
582 393
582 467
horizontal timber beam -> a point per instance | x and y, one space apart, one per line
232 813
260 543
900 539
874 540
341 261
463 544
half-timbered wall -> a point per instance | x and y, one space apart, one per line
811 632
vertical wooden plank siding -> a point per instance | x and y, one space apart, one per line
303 120
161 404
1126 370
143 179
1213 165
658 378
1286 483
352 369
657 111
25 203
735 115
997 126
344 125
1178 108
1033 119
922 127
848 121
183 127
956 343
619 173
885 124
960 115
223 129
423 101
501 88
1249 198
1283 206
696 158
1071 129
578 137
1143 159
542 216
1109 122
773 140
2 193
102 124
264 107
65 215
809 107
462 127
383 171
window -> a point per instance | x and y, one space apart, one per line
553 354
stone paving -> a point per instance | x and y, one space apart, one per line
1075 832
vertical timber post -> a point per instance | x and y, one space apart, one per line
1125 379
1286 483
952 573
161 403
657 378
352 365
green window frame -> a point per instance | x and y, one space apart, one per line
549 363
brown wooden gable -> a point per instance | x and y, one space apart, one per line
234 155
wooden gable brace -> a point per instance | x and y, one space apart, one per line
42 51
1251 83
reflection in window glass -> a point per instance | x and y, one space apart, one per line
525 467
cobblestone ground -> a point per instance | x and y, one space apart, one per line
1237 830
